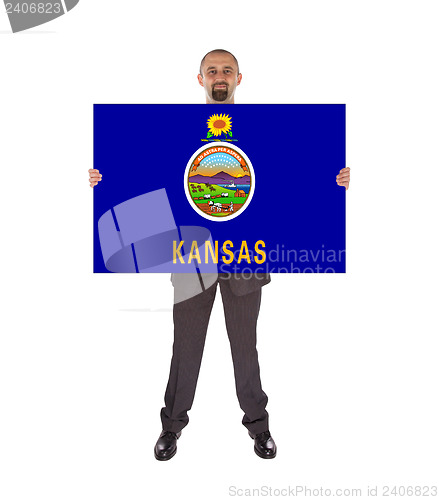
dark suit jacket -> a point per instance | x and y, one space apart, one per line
188 284
242 284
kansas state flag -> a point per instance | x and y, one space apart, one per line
219 188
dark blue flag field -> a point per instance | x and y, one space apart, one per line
219 188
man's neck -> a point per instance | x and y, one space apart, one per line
231 101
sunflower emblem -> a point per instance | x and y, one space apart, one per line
217 124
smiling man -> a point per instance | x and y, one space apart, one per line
241 295
219 75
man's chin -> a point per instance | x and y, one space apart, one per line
220 95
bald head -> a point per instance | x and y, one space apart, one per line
218 51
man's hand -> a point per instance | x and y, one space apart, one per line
344 177
95 177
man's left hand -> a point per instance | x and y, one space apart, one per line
344 177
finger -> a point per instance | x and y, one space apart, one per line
344 176
346 169
93 170
345 184
93 184
96 176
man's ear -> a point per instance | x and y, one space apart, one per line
239 79
200 80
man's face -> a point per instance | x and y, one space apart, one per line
219 78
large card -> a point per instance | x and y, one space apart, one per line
219 188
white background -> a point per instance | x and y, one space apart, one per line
349 362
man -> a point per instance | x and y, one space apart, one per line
241 294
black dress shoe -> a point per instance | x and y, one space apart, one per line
265 447
166 446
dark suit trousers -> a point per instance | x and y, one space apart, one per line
191 319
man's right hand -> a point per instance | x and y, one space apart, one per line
95 177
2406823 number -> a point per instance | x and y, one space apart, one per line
34 8
410 491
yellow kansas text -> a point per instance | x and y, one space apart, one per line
230 252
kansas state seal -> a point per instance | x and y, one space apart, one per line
219 181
